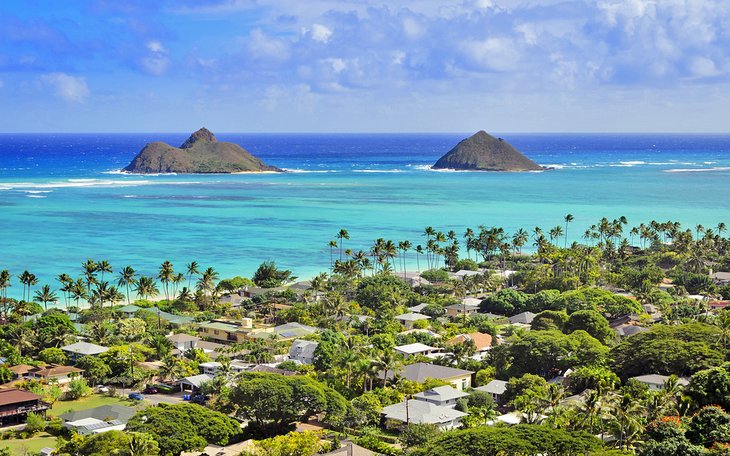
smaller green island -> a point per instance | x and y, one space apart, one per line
201 153
484 152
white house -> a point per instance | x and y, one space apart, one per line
656 382
408 319
416 349
423 412
302 351
193 383
443 396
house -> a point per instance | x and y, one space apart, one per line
418 308
193 383
496 388
459 310
61 374
443 396
288 331
422 412
15 404
524 318
656 382
302 351
460 274
718 305
175 320
183 342
416 349
419 372
721 278
482 342
79 349
350 449
98 419
408 319
626 330
213 367
226 330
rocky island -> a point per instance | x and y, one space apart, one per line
484 152
200 154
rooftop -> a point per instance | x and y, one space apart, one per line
442 394
494 387
103 413
9 396
419 372
85 348
412 317
421 412
411 349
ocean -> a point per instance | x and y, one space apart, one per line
63 199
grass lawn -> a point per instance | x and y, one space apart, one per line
95 400
34 445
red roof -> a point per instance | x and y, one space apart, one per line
719 304
9 396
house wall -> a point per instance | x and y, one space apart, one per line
460 383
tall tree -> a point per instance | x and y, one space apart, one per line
127 279
568 218
45 295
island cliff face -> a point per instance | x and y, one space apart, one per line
201 153
483 152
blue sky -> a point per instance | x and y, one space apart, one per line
365 65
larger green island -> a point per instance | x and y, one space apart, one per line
202 153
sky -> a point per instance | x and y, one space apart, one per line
364 65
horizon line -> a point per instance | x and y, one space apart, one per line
370 132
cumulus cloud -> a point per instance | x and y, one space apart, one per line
321 33
67 87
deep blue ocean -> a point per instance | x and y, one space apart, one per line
63 199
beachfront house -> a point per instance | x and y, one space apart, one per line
98 419
15 404
408 319
496 388
79 349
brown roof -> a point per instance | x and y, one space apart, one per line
21 369
350 449
481 340
54 370
9 396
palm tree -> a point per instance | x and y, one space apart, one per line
342 234
104 266
78 291
191 269
24 279
90 268
568 219
170 368
556 232
45 295
206 283
388 362
419 251
147 288
166 275
4 284
332 244
519 239
127 278
160 344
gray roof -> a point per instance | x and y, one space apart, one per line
497 387
525 318
630 330
197 380
656 379
350 449
441 394
303 348
84 348
105 412
419 372
418 308
287 331
421 412
412 317
414 348
182 338
463 307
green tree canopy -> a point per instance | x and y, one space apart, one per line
591 322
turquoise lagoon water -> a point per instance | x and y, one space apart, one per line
63 200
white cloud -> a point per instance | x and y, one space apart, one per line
156 61
321 33
338 65
703 67
264 47
67 87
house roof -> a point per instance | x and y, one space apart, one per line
419 372
471 301
85 348
463 307
481 341
287 331
629 330
197 380
411 349
10 396
350 449
494 387
54 370
103 413
441 394
412 317
303 348
128 309
21 369
418 308
656 379
182 338
524 318
421 412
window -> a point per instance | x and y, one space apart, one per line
463 384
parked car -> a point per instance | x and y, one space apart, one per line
150 390
199 399
136 396
102 388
